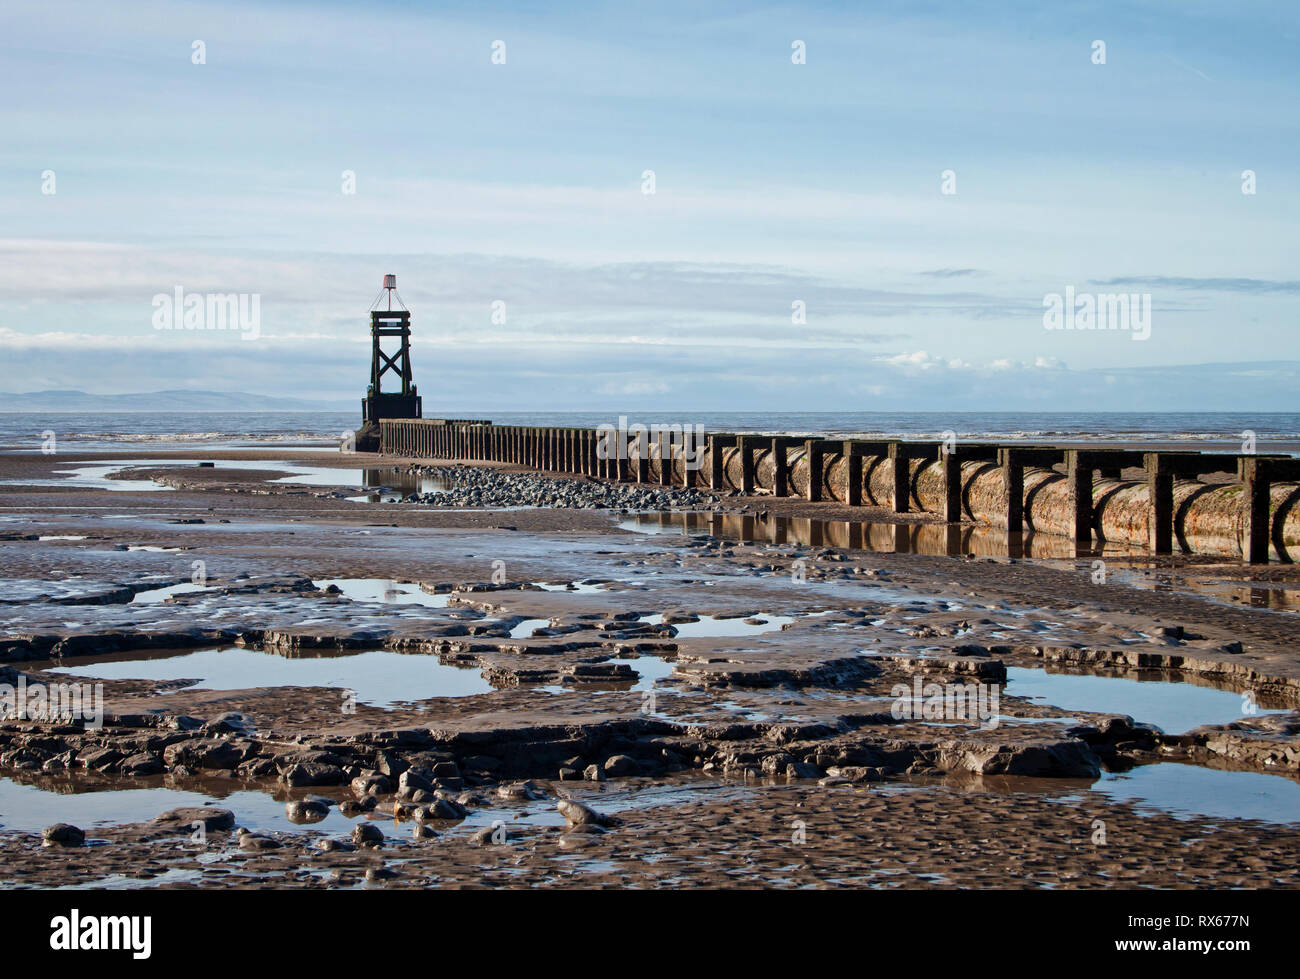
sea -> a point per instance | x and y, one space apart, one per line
109 430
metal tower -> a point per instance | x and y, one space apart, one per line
386 323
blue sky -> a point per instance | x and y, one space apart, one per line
774 183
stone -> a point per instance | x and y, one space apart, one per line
187 818
367 834
62 834
411 782
313 773
251 841
143 763
372 785
594 773
309 810
621 765
576 814
205 753
335 846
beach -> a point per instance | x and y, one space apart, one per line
351 692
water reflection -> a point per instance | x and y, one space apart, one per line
936 539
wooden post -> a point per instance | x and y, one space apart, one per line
1079 482
902 473
952 487
1160 487
779 473
813 451
853 456
1255 507
746 444
643 457
1013 490
717 473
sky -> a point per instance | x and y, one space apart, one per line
877 227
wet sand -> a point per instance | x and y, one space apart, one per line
741 692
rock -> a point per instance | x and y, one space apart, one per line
98 759
335 846
576 814
802 769
205 753
484 835
251 841
570 775
594 773
620 765
313 773
187 818
520 791
309 810
62 834
367 834
143 763
411 782
372 785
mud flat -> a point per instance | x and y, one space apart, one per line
386 694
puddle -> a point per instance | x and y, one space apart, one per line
882 538
524 629
153 549
574 587
61 537
381 678
715 628
154 595
31 807
1277 596
1174 707
384 591
1188 790
99 476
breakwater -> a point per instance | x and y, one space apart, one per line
1242 506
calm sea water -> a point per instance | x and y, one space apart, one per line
23 430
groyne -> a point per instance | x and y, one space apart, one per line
1243 506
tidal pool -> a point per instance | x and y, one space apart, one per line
381 678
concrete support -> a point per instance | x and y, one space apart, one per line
747 444
853 455
1078 474
901 470
813 449
780 471
1160 486
717 470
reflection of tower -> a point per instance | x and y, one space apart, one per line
387 323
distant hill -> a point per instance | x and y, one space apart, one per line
163 401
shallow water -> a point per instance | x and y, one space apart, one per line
384 591
155 595
715 628
29 808
881 538
380 678
1172 706
1186 790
